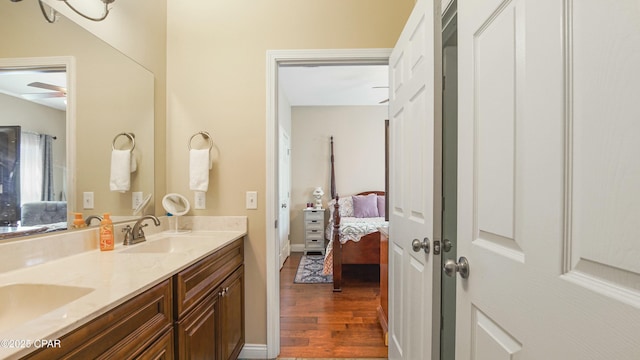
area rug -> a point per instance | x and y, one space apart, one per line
310 271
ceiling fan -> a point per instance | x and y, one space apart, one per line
57 91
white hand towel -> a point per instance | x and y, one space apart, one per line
199 169
120 170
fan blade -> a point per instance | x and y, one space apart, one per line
43 95
48 87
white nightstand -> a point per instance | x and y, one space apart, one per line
314 230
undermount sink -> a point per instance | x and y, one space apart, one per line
164 245
158 246
20 303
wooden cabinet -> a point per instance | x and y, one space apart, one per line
162 349
210 306
196 314
383 308
197 331
231 310
122 333
313 230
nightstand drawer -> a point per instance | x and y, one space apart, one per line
313 226
314 243
314 215
313 234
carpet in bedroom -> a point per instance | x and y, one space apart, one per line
310 271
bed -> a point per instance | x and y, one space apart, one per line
352 231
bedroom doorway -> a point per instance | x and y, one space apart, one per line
347 104
279 113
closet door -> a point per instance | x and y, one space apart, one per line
548 195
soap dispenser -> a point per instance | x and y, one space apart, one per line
106 233
78 221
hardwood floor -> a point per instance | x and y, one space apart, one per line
315 322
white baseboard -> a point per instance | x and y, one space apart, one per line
253 351
297 247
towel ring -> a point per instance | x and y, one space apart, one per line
204 135
131 136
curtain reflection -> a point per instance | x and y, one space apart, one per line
36 168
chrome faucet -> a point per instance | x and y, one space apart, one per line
136 234
91 217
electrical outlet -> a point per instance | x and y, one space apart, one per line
87 200
200 200
136 199
252 200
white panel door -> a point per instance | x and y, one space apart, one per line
414 185
284 180
549 179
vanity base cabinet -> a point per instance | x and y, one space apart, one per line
198 313
209 304
122 333
231 314
197 331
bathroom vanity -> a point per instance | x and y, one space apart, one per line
171 297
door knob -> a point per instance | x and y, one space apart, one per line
446 245
417 245
462 266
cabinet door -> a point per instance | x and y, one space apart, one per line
231 307
197 331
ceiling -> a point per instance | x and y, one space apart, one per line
335 85
15 83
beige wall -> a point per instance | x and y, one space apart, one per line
138 29
358 133
216 81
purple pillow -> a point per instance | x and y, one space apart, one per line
365 206
381 205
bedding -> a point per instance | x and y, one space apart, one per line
351 228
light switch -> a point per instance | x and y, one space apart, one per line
87 200
252 200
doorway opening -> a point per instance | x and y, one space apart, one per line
277 59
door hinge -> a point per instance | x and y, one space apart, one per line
443 82
276 224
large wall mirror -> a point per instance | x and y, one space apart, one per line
79 94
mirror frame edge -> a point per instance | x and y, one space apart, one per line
69 63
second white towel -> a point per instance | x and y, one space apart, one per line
199 166
122 165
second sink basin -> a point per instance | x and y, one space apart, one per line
164 245
20 303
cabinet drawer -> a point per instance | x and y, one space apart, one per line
314 234
194 283
122 333
314 215
313 226
162 349
314 244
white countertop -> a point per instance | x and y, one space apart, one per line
115 276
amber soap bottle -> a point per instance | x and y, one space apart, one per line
106 233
